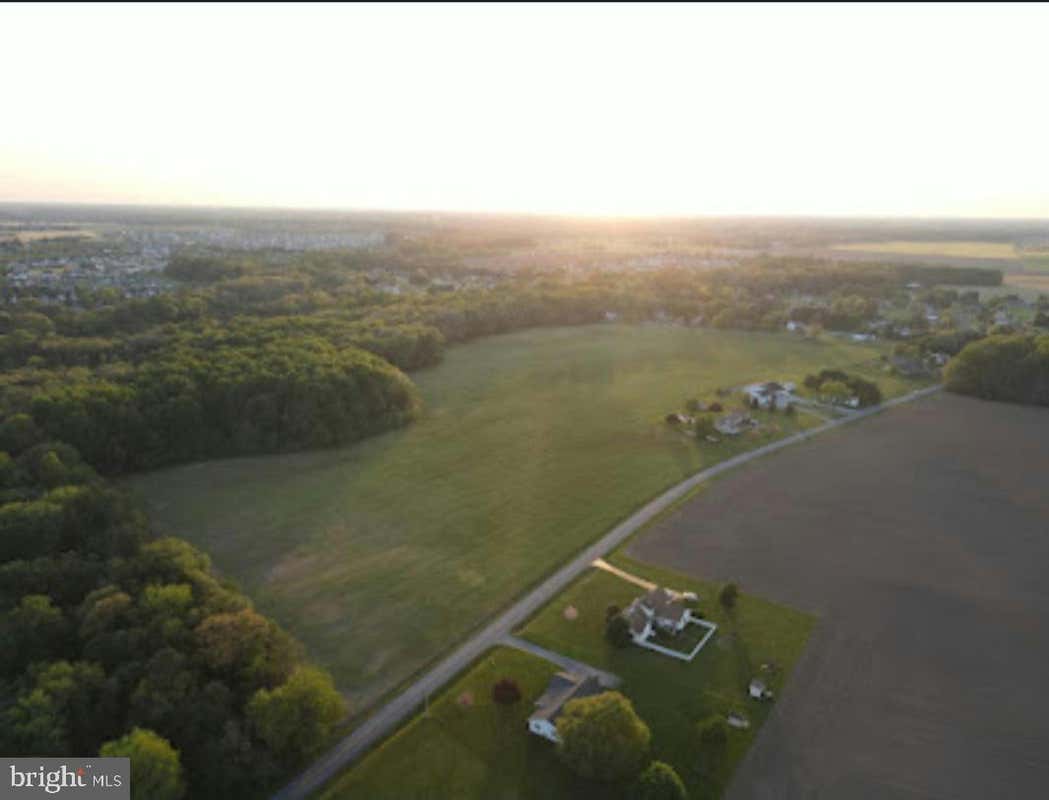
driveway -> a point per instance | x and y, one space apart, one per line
921 539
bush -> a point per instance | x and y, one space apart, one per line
612 611
617 631
602 738
658 782
506 692
728 595
704 426
717 408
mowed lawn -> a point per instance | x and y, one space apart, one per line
469 748
381 555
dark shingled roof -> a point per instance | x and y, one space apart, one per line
665 604
564 686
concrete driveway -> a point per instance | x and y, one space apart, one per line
921 538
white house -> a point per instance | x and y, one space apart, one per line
563 686
768 395
663 610
660 608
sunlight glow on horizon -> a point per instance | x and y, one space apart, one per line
614 110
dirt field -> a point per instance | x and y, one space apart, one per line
921 538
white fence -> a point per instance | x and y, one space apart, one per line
711 628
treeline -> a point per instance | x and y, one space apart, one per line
929 274
1011 368
198 399
267 352
109 640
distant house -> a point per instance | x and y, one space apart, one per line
734 424
863 337
769 395
794 327
563 686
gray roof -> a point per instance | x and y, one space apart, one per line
637 617
564 686
665 604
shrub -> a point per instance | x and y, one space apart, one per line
715 407
506 692
704 426
728 595
617 631
658 782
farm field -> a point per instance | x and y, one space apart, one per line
919 539
482 750
957 249
380 556
1028 285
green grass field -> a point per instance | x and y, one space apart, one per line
943 248
381 555
483 751
466 749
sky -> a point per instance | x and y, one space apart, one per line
929 110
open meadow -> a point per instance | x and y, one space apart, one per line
381 555
958 249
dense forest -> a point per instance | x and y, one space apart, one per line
106 633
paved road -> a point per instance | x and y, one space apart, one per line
920 540
606 679
386 719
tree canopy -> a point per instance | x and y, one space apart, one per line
602 737
156 773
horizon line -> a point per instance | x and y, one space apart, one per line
176 206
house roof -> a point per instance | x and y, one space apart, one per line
637 617
564 686
665 604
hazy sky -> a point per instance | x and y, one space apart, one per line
928 110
